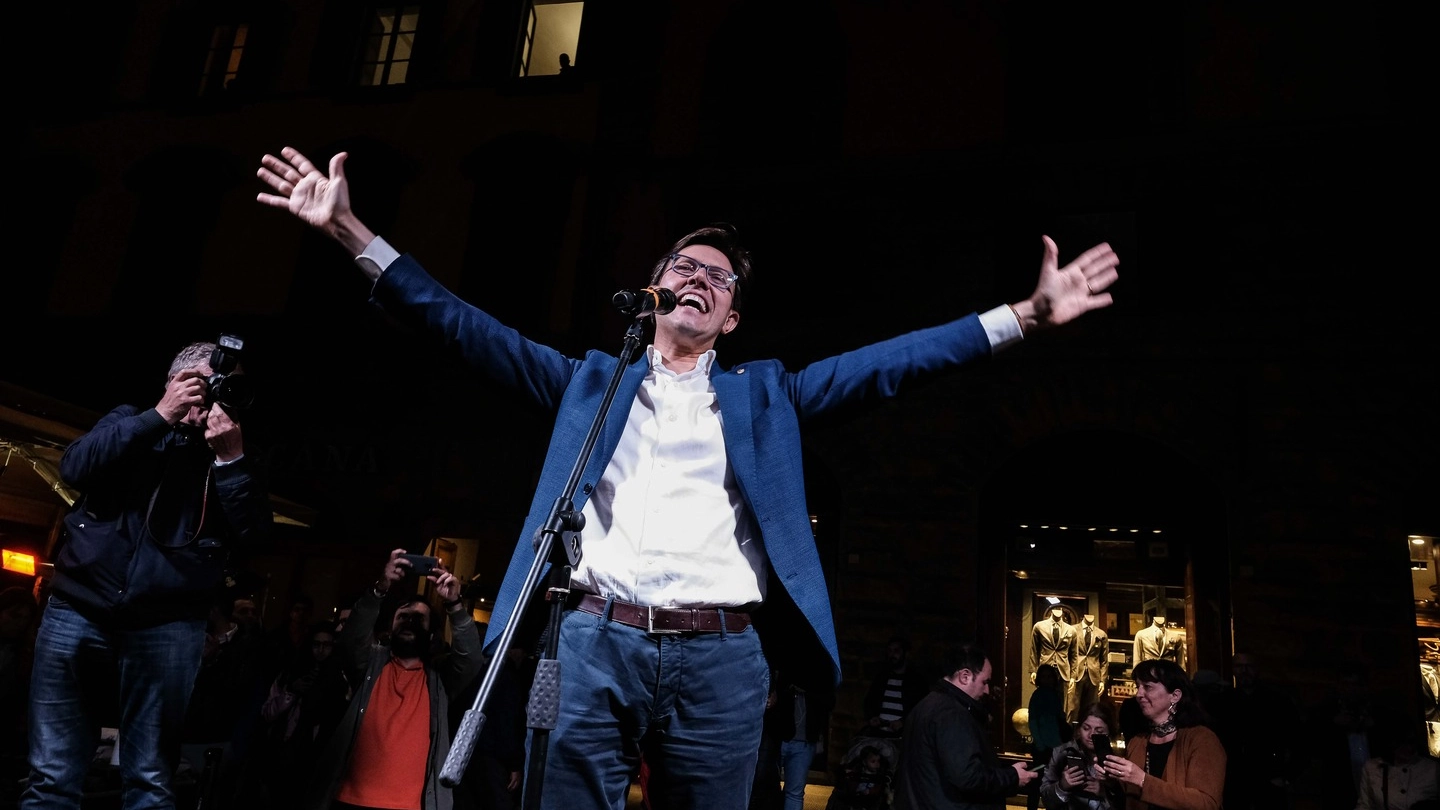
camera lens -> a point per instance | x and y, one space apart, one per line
231 390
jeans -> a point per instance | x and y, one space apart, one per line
795 757
152 671
692 703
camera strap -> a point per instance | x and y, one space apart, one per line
204 505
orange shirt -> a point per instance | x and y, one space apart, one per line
392 747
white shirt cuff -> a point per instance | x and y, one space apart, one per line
377 256
1000 325
219 463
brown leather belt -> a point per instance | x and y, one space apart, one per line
653 619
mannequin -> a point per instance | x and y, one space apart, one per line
1150 642
1174 644
1430 679
1092 667
1053 642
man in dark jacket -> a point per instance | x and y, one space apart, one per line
167 492
395 737
946 760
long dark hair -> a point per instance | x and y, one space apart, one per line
1102 711
1169 674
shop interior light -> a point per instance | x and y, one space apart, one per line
18 562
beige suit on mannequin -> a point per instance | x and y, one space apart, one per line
1150 642
1092 654
1053 642
1174 644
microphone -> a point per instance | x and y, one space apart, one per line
649 301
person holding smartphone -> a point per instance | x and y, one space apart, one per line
387 749
1180 763
1072 781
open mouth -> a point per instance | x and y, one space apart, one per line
694 301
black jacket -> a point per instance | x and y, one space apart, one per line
946 760
146 544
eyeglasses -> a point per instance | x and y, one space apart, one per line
685 266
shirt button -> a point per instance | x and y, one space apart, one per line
673 417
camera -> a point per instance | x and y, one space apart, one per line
232 391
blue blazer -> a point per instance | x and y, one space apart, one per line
764 405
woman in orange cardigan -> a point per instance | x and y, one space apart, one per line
1180 764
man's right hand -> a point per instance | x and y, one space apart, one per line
395 569
184 391
1026 775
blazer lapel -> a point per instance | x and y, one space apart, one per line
732 392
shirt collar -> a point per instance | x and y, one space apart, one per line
702 364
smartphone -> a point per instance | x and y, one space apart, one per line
1074 760
1102 746
421 564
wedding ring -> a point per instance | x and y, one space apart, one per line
1088 287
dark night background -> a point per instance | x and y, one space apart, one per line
1264 386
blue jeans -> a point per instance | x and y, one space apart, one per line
795 757
74 656
692 703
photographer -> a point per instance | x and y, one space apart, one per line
395 736
166 492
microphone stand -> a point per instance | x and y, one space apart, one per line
565 523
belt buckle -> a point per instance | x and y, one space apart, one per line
650 624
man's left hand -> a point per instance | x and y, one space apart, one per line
446 583
223 434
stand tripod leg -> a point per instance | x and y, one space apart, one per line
543 710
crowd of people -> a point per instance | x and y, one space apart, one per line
308 713
276 719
